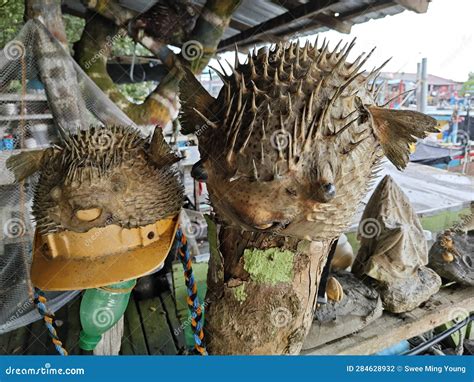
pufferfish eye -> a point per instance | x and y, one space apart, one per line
329 190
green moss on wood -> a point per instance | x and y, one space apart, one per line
270 266
239 293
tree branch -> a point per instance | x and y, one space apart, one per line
161 106
92 53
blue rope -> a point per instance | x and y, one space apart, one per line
193 299
49 320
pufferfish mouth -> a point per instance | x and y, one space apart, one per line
273 226
88 215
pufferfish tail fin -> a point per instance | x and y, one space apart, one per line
397 129
25 164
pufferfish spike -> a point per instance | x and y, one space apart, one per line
314 96
205 119
304 56
253 72
375 72
235 73
224 72
341 62
223 77
334 52
322 54
236 57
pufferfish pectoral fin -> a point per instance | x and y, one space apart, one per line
196 104
397 129
25 164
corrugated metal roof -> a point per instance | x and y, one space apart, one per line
251 13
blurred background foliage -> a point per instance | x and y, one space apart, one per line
11 21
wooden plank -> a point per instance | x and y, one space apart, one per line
418 6
322 19
133 341
126 346
17 341
111 341
72 326
38 342
157 332
4 339
168 301
333 23
62 319
390 329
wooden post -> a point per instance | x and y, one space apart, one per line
280 275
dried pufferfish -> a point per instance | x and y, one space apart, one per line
292 142
102 176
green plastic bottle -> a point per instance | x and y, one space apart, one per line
101 308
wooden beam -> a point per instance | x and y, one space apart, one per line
390 329
301 12
333 23
240 26
344 17
418 6
364 9
234 24
322 19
